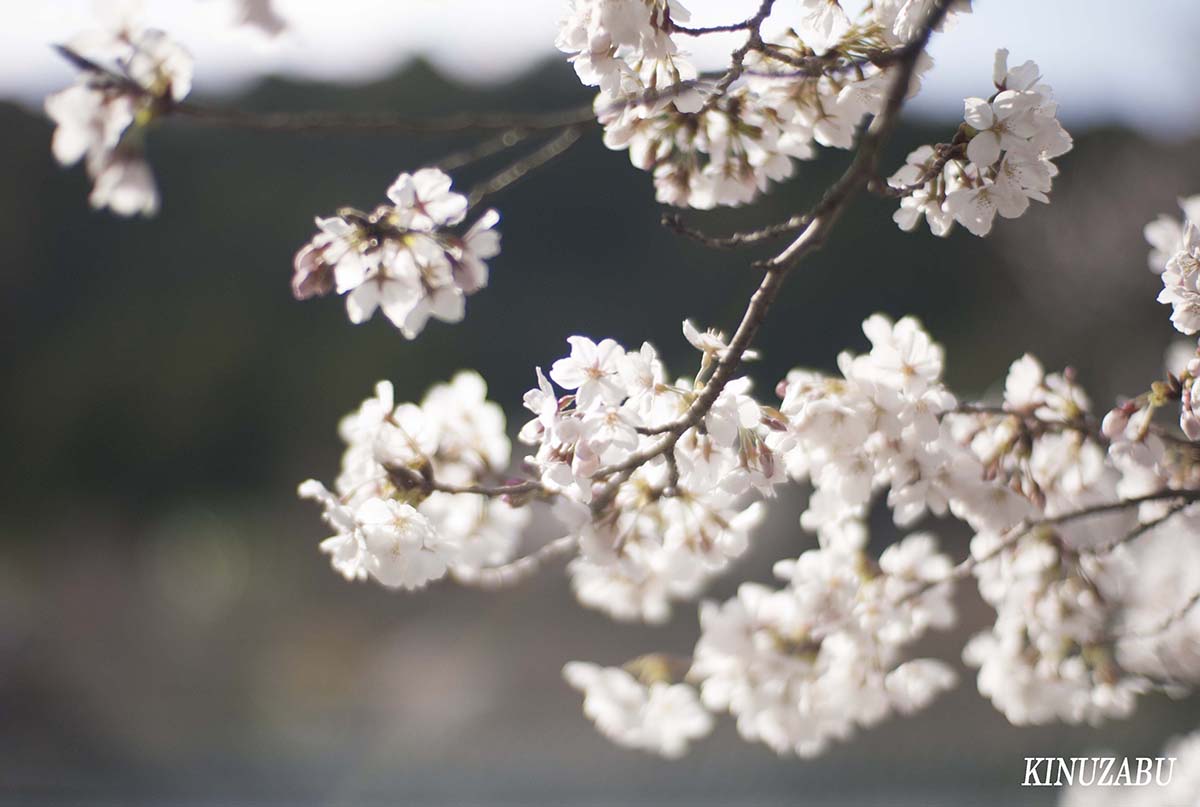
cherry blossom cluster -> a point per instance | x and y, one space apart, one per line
625 46
1165 234
128 76
1151 461
723 143
802 666
661 530
888 422
1079 601
798 667
404 258
1181 281
651 715
1046 658
1038 443
1057 588
391 523
1001 158
878 427
1175 256
651 522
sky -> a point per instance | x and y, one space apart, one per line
1133 62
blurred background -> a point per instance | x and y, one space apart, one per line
169 631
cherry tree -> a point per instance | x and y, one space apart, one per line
1086 518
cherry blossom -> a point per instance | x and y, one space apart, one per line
664 531
392 523
1001 158
128 76
1181 282
402 259
704 151
1165 234
822 24
659 717
803 666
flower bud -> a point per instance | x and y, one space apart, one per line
1115 422
1189 418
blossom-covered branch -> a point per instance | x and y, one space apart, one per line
1084 525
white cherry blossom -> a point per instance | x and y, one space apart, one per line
1165 233
1181 282
128 77
1011 139
402 259
659 717
389 525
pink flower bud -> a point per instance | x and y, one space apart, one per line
1189 420
1114 423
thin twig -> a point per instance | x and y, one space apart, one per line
519 570
548 151
825 65
945 152
411 479
1164 625
390 124
1025 527
505 140
1140 530
674 222
1085 423
754 41
729 28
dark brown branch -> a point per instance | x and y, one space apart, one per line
824 65
337 121
1084 424
732 27
1118 506
410 479
737 66
1141 529
1024 528
675 224
516 571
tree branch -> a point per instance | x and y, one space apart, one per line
547 152
754 41
674 222
820 220
519 570
408 478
